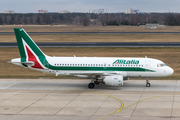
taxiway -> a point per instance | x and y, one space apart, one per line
60 99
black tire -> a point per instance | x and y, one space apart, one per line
91 85
148 85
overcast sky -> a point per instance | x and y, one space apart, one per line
32 6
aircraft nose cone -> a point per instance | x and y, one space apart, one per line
171 71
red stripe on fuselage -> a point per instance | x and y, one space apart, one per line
32 58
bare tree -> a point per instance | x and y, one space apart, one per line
86 21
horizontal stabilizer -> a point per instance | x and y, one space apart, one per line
29 63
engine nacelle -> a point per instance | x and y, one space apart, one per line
115 80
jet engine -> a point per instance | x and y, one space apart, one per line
115 80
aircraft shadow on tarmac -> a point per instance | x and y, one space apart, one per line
139 86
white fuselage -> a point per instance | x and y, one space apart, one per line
91 66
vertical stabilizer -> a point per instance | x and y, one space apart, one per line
28 49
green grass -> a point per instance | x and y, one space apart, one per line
97 38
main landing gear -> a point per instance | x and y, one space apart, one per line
96 82
93 83
147 82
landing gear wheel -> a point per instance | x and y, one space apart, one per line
148 85
91 85
96 82
147 82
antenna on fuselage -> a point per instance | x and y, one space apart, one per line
145 56
74 56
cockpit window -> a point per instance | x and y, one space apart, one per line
161 65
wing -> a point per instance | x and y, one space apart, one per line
91 74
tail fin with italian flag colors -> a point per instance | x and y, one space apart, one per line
30 53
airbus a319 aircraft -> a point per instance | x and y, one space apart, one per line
108 70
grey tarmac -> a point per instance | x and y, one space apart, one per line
67 99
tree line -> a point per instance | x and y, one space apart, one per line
89 19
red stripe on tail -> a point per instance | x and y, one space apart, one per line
32 58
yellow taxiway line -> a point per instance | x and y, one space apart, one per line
149 98
121 108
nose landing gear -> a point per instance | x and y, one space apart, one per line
147 82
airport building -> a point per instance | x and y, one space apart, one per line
63 11
9 11
131 11
98 11
42 11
